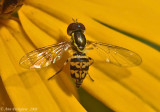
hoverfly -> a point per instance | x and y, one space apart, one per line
79 61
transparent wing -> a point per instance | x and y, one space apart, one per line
115 55
44 56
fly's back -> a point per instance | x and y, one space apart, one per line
76 31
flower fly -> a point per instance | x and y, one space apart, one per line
79 61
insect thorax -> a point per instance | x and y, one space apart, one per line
79 66
78 41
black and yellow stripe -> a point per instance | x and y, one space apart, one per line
79 66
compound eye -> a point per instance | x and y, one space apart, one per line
75 27
81 26
71 28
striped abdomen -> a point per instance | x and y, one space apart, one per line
79 66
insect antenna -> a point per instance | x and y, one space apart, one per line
75 20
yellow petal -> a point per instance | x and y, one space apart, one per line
30 89
139 19
16 82
91 103
107 35
116 95
124 94
35 34
44 31
5 101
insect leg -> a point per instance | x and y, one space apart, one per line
60 69
91 61
90 48
90 77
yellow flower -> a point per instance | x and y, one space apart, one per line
129 24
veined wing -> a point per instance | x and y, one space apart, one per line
116 55
44 56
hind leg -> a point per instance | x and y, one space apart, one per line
91 61
91 77
65 63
